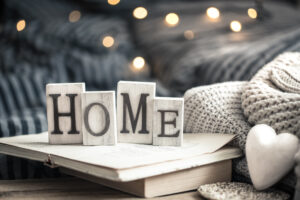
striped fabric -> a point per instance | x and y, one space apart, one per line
51 49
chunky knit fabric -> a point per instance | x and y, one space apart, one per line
216 109
273 95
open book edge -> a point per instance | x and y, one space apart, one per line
134 172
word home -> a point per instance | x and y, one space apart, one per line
76 116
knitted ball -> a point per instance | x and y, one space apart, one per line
273 95
239 191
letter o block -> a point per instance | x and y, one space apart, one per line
64 112
99 118
168 121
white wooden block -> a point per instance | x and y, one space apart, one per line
135 111
99 125
168 121
64 112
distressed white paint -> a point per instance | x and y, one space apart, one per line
96 118
135 89
64 106
168 104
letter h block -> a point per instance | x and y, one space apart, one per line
99 125
64 112
168 121
135 111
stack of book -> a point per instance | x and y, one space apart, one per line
143 170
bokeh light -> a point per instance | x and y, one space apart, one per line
138 63
189 34
172 19
235 26
113 2
74 16
213 13
140 13
108 41
21 25
252 13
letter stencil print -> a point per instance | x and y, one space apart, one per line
135 111
99 126
64 112
168 121
76 116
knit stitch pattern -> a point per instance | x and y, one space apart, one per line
273 96
216 109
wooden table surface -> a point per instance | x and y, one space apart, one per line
70 189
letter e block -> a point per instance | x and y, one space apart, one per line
64 112
168 121
99 125
135 111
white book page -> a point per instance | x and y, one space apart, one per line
122 155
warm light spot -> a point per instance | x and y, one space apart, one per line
172 19
213 13
21 25
138 63
113 2
108 41
252 13
236 26
140 12
189 35
74 16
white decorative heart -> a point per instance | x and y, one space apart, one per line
269 156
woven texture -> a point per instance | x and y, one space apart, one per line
272 96
239 191
216 109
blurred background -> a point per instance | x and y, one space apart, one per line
177 44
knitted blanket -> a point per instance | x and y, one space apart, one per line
215 53
271 97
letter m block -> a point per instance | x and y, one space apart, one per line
64 112
135 111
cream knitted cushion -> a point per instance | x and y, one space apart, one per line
216 109
273 95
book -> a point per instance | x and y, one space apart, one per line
139 169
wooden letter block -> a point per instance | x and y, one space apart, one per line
168 121
64 112
135 111
99 125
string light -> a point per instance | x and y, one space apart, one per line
236 26
172 19
21 24
138 63
189 34
113 2
140 13
108 41
74 16
252 13
213 13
